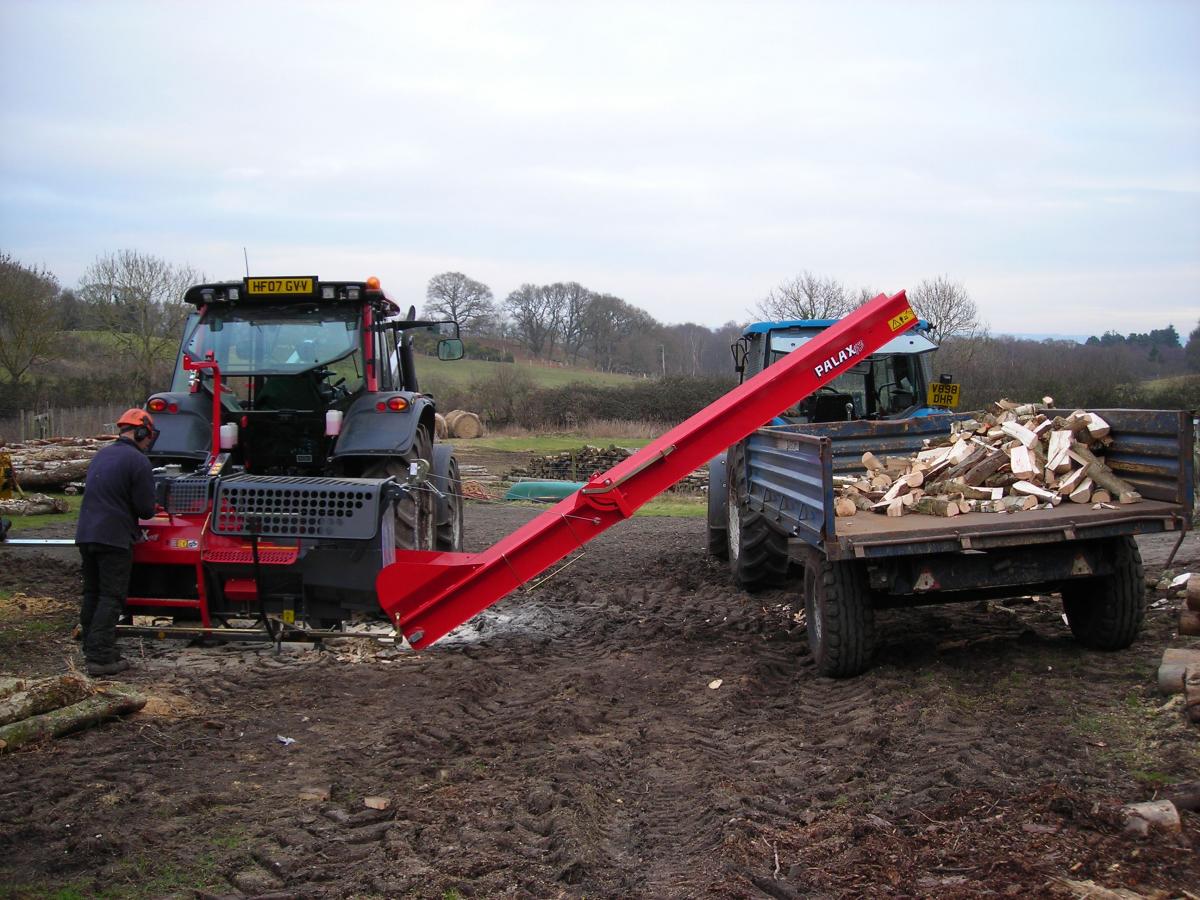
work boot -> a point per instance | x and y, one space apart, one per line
109 668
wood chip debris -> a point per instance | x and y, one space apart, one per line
1014 457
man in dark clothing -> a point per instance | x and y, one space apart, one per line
118 492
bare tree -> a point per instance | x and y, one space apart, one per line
575 299
452 295
29 319
948 307
535 313
806 296
140 299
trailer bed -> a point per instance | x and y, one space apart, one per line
867 535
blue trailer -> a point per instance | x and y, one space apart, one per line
771 515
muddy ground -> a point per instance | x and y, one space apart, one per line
569 744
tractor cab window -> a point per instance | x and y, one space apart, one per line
278 340
281 340
889 383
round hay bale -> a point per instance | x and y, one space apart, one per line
453 416
440 429
468 426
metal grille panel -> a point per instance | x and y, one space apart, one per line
275 506
188 496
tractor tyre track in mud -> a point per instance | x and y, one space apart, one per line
568 743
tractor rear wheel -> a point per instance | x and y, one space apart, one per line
758 556
415 518
449 510
1106 613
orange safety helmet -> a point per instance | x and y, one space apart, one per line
136 418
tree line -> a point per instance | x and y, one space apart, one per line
113 337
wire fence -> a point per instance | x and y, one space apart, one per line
63 421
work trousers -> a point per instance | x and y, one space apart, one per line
105 584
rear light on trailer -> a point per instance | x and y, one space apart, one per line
158 404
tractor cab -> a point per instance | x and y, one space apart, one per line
894 382
296 357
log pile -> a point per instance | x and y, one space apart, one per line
1014 457
36 709
52 463
33 505
581 464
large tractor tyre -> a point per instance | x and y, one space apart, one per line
718 510
840 617
449 506
757 553
414 510
1106 613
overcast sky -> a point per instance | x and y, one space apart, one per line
684 156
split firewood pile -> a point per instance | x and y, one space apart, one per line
52 463
34 709
1016 456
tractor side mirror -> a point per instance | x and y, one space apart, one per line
450 348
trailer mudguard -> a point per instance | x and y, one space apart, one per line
718 486
428 593
368 430
186 434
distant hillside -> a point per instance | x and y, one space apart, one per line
460 373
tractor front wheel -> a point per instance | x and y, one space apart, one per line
414 510
758 555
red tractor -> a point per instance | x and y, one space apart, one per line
296 455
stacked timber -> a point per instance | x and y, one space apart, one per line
52 463
582 463
1189 613
1014 457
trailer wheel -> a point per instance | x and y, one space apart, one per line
841 619
758 555
1106 613
450 510
415 516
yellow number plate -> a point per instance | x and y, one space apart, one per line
944 395
897 322
279 285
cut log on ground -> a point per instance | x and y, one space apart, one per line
42 696
1191 694
33 505
1175 663
1193 593
1157 815
1189 622
113 701
10 685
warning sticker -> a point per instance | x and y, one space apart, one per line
897 322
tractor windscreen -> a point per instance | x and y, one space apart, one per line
282 340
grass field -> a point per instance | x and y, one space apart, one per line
464 371
545 443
